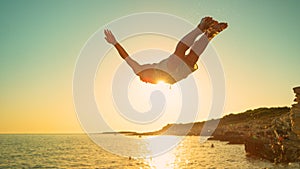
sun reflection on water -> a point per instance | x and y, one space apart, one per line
163 159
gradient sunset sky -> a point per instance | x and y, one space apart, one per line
40 42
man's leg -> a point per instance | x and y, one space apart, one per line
196 50
187 41
200 45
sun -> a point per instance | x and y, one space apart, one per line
162 85
140 92
161 82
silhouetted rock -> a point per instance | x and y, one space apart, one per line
259 148
296 106
282 144
295 113
269 133
296 90
234 128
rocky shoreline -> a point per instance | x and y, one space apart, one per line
282 143
254 128
268 133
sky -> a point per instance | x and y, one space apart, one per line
41 40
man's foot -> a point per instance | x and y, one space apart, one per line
206 23
215 29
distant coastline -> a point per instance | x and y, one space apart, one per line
266 133
229 128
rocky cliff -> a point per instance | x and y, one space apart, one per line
269 133
281 142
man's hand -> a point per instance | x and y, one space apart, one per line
109 37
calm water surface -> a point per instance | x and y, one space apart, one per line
78 151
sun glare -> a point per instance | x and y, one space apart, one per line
140 92
161 82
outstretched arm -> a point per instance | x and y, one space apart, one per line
110 38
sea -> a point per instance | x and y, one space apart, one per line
80 151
